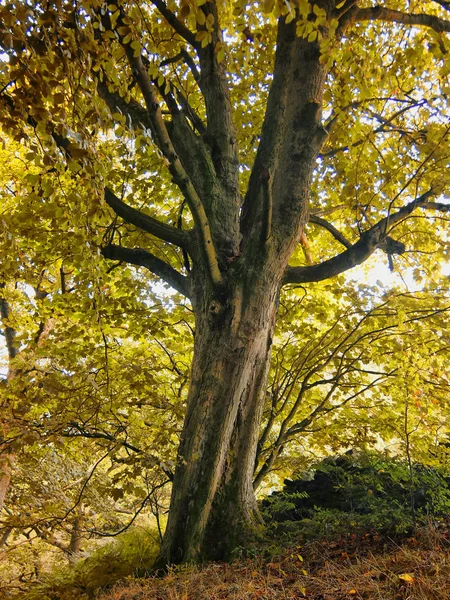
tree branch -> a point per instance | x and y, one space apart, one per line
136 112
440 206
83 431
331 228
338 13
296 133
194 153
181 98
273 125
187 58
145 222
356 254
380 13
175 23
386 126
164 143
9 332
133 110
191 64
142 258
221 133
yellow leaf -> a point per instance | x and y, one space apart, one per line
352 592
200 17
114 17
74 166
305 9
318 11
184 11
7 40
200 35
268 6
406 577
290 17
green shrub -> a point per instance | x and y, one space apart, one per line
130 553
356 493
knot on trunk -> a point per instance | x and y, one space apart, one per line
216 311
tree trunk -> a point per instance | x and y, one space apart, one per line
6 457
213 506
76 536
6 461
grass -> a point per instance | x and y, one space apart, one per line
365 568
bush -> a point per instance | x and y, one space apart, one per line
129 554
356 493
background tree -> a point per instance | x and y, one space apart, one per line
233 142
347 373
88 457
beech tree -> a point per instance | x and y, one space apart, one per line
208 143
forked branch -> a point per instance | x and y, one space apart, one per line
164 143
356 254
214 86
273 125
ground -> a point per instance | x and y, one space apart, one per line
415 568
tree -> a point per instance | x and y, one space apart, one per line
214 136
339 382
72 416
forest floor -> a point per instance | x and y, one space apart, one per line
369 567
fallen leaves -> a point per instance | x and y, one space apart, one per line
397 572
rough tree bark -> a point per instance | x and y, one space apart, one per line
213 503
7 458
